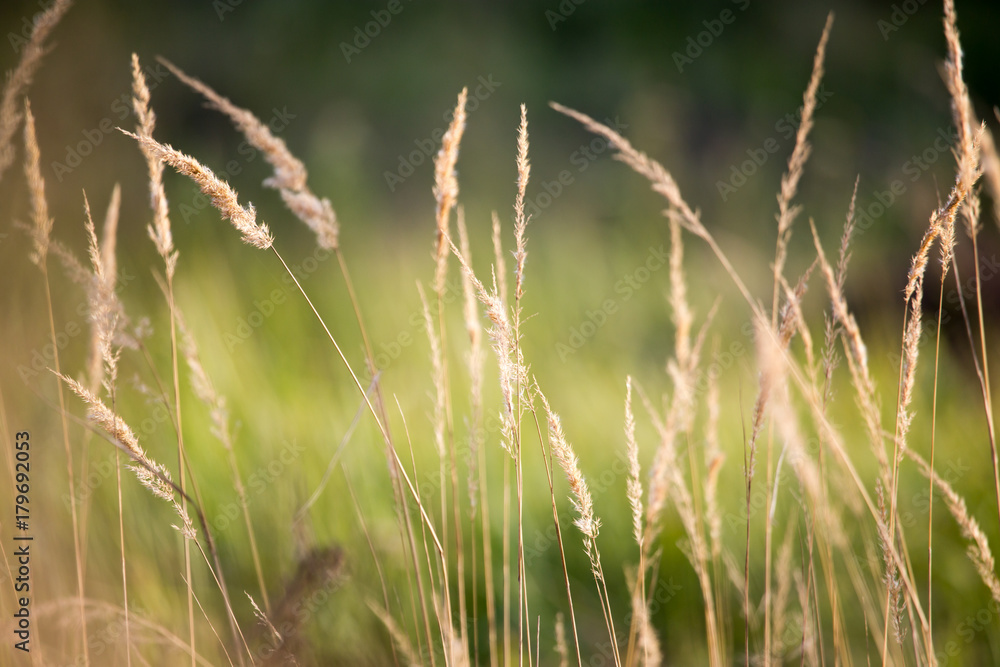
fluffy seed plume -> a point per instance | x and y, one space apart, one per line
520 219
962 113
152 475
634 482
290 174
978 549
588 524
891 578
106 311
159 230
446 186
513 371
797 161
19 78
223 197
42 227
941 229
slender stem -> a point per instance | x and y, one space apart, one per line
506 563
121 538
69 467
371 408
987 391
930 478
181 463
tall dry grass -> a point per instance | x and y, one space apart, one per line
807 582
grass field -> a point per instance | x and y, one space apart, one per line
691 370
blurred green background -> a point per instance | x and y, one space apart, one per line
362 115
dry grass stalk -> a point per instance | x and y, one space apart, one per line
978 550
661 180
218 412
714 459
664 184
40 232
265 622
513 371
151 474
478 496
941 229
666 478
500 262
446 195
665 475
399 638
634 484
583 502
290 174
105 309
21 76
680 311
446 186
159 230
963 115
320 569
41 229
857 352
223 197
784 568
520 219
891 579
109 236
832 326
561 649
968 153
437 375
474 362
72 266
649 651
796 165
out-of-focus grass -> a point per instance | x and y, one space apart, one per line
291 397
